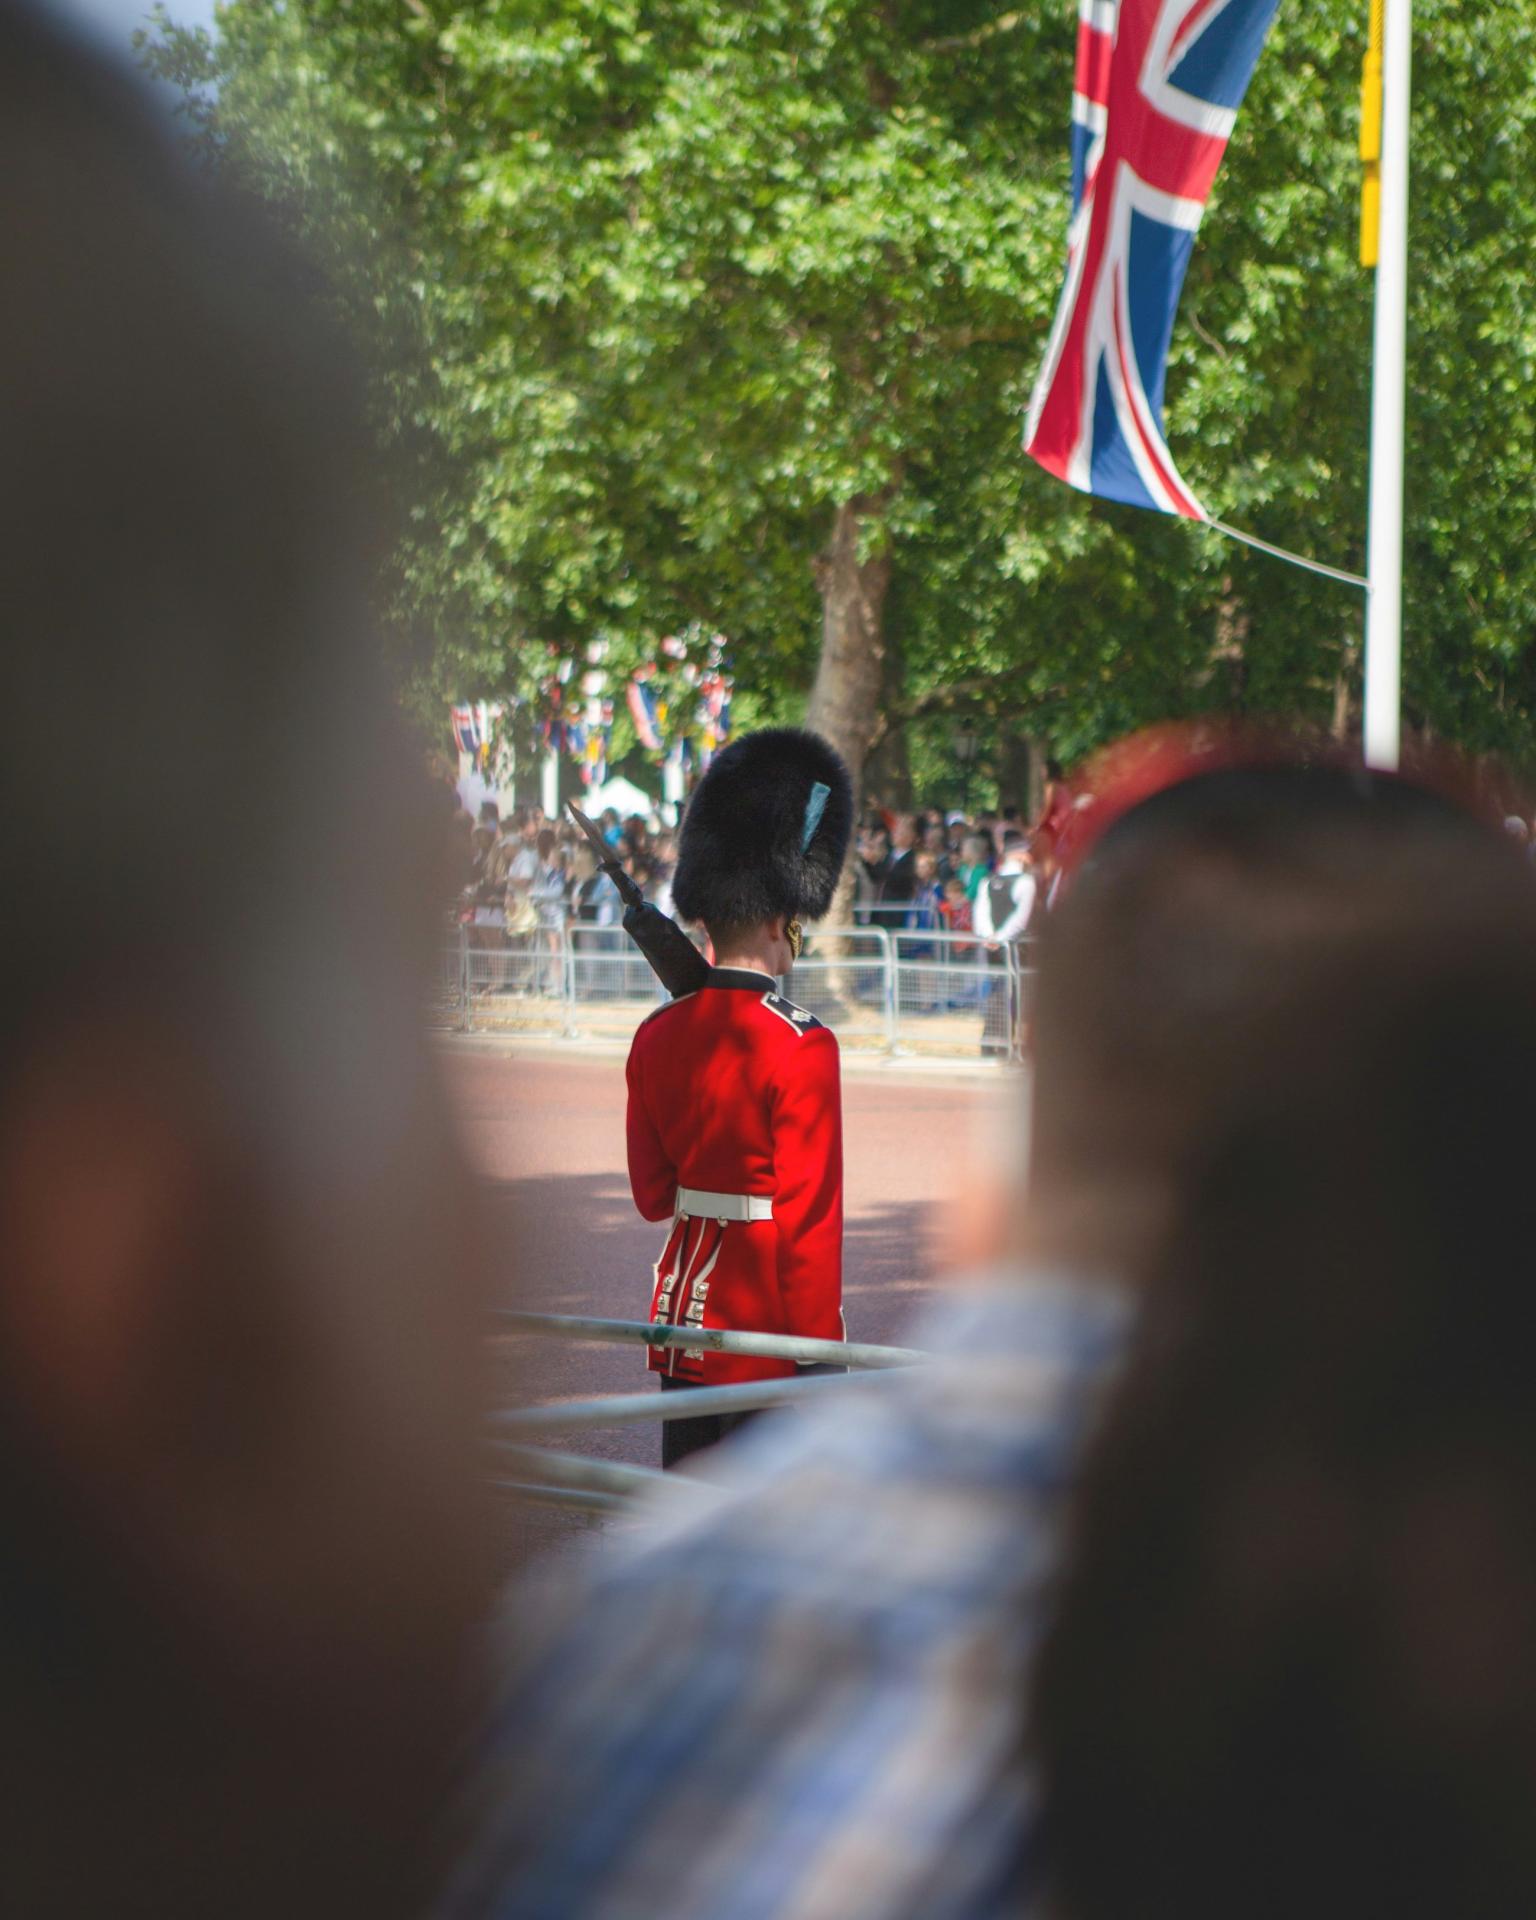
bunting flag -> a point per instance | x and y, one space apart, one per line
465 725
1158 86
642 710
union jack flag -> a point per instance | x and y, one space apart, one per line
1157 90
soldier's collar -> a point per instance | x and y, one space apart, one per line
747 979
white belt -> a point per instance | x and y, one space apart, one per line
693 1204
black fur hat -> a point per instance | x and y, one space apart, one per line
766 831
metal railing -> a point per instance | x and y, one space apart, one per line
853 1354
547 1478
881 991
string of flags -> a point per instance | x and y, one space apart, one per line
679 703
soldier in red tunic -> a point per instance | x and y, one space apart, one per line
735 1113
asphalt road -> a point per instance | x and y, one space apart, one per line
546 1133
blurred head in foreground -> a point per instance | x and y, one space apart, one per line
1178 932
1293 1670
238 1540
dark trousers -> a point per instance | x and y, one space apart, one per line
679 1438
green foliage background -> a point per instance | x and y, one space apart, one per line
649 289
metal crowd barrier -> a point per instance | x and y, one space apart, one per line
601 1486
886 991
762 1346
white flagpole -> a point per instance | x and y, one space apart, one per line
1384 603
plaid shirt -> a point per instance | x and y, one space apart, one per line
806 1699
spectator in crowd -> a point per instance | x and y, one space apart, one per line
659 888
811 1695
1003 911
901 878
957 906
926 912
594 900
1006 903
482 847
975 867
240 1538
870 871
524 861
499 856
935 840
1291 1670
594 905
549 894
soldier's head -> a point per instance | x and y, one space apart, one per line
764 841
239 1404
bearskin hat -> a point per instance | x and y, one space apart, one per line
766 831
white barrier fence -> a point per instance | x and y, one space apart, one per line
893 992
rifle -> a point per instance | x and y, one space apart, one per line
675 960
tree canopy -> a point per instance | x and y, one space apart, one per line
703 313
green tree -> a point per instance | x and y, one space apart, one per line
703 312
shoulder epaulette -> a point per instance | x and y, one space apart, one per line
790 1014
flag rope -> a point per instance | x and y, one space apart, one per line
1295 559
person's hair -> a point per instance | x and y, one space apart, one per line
189 558
1186 915
1291 1667
1014 841
546 843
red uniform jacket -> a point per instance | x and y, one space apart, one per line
734 1089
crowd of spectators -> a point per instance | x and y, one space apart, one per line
521 872
989 874
986 874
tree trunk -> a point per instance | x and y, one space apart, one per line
888 770
1341 724
845 700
